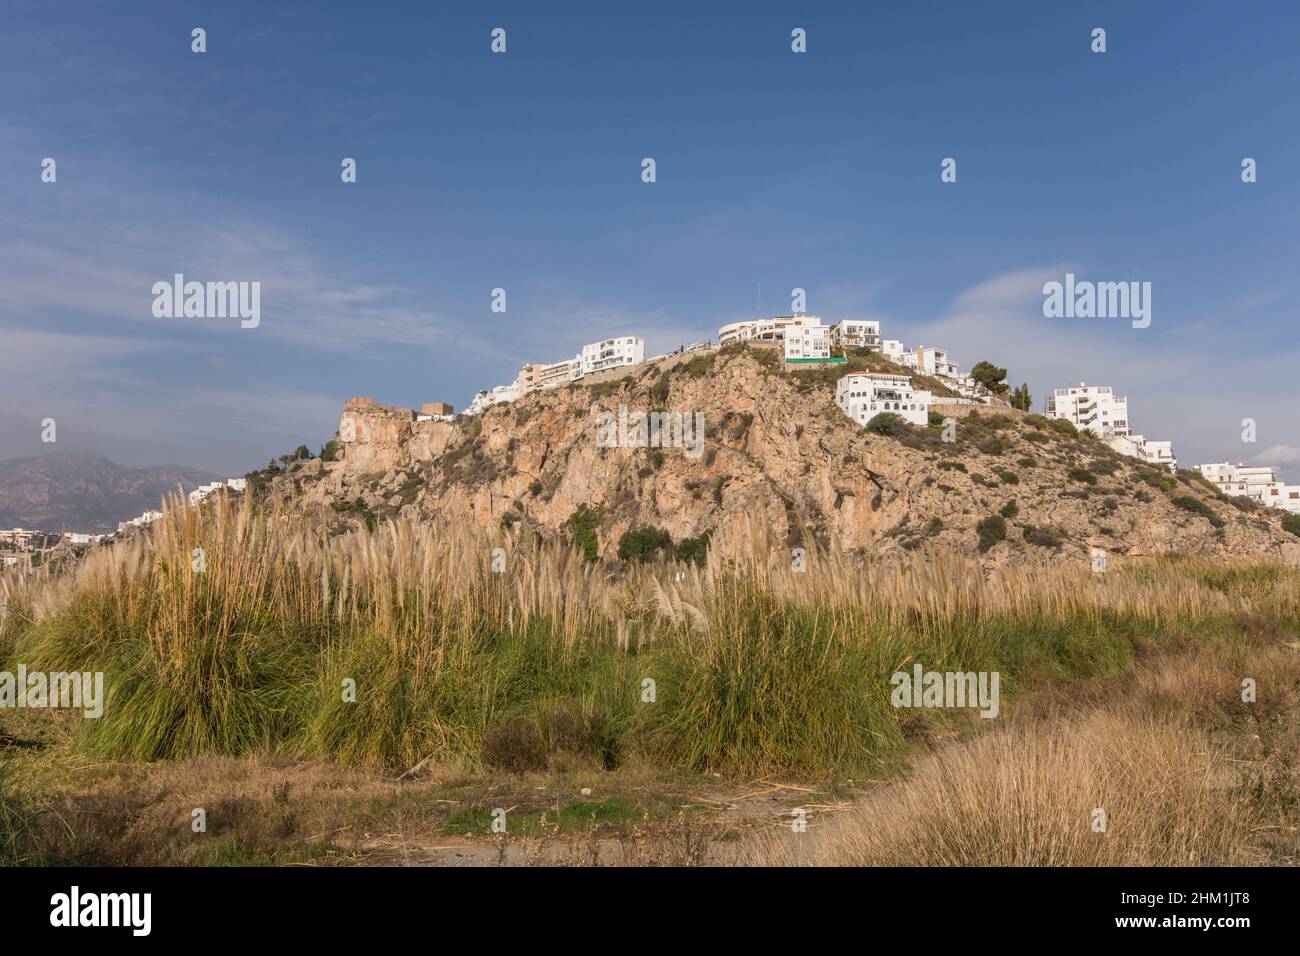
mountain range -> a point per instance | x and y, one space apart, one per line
81 491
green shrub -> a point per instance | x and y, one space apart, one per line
1008 477
1082 475
693 549
642 544
357 507
582 524
886 423
1198 507
1044 537
991 530
1292 523
700 365
1009 510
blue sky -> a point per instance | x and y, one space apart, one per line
522 171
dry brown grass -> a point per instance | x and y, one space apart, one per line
1187 774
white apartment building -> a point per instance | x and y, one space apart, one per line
808 339
621 352
1158 453
847 334
611 353
147 518
1096 408
893 350
1259 482
758 330
931 361
856 334
203 491
555 374
1093 407
494 396
77 537
18 538
863 397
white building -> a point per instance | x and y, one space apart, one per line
806 338
758 330
205 491
931 361
77 537
622 352
893 350
611 353
856 334
863 397
1095 408
1258 482
493 396
147 518
1158 453
846 334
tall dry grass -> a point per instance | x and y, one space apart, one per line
234 628
1170 768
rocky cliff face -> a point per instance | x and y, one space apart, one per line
777 448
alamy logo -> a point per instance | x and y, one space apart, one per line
949 689
1098 300
653 430
37 690
103 909
208 300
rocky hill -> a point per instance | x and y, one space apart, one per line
75 491
776 448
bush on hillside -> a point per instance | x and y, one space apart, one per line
582 525
991 530
642 544
886 423
1044 537
1198 507
693 549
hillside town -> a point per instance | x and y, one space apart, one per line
805 341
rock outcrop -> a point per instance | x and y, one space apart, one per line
777 448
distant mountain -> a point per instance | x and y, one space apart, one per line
75 491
